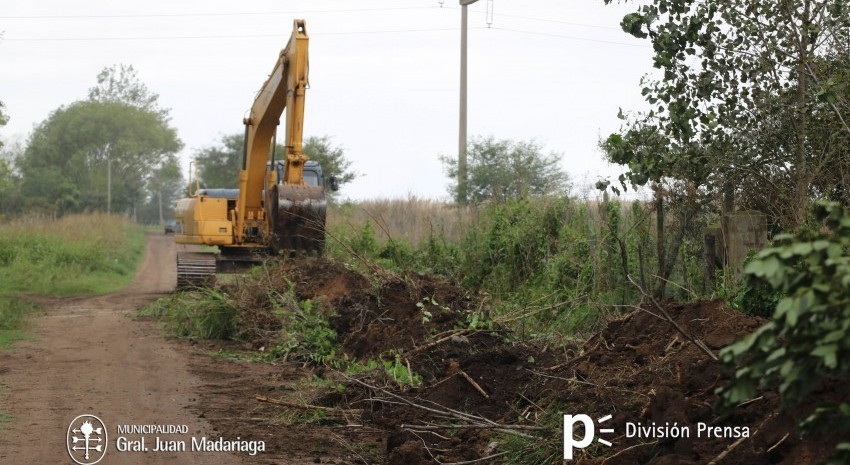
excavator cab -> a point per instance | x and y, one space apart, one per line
312 173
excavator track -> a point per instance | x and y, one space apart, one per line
195 269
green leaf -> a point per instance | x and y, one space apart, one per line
802 248
764 267
828 353
776 354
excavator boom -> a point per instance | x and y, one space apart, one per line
292 214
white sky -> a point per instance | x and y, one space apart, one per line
384 74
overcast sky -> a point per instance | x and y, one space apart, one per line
384 74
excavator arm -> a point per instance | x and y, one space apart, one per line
292 214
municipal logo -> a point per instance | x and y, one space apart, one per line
86 439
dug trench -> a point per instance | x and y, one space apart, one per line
448 388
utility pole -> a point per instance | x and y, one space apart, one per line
109 185
461 155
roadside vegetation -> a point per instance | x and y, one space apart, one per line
549 265
74 255
77 254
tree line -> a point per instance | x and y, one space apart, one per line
113 151
117 151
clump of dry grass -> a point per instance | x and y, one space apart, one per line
412 220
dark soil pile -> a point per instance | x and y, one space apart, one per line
639 369
376 317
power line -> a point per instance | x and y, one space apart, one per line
287 12
229 36
340 33
181 15
556 21
584 39
544 20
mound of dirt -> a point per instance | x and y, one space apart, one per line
640 369
375 317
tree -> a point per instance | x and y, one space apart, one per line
165 187
72 156
503 169
219 165
104 153
332 158
753 99
10 197
3 119
121 83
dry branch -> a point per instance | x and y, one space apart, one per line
427 346
474 384
670 320
439 427
306 406
469 420
740 441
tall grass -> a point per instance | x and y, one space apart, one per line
549 265
79 254
412 220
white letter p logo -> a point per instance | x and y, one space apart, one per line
569 440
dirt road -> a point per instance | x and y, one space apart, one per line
90 356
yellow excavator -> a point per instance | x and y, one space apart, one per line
280 204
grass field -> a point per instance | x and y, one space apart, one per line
80 254
75 255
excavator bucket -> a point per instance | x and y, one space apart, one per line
299 222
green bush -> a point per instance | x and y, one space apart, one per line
806 340
305 330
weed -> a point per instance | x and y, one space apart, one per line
13 314
424 304
203 313
290 327
364 242
305 330
5 419
401 373
547 449
747 294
